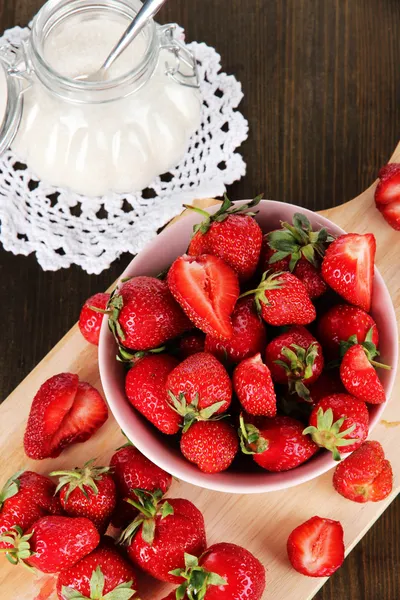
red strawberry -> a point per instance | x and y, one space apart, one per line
223 572
248 338
144 315
387 194
253 385
101 574
339 423
316 547
348 268
365 475
191 343
211 445
199 387
162 533
295 358
90 320
145 389
328 383
131 470
52 543
342 322
88 492
207 289
277 444
64 411
359 376
25 498
311 278
231 234
283 300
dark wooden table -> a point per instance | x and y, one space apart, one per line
322 89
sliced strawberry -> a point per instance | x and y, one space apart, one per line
391 213
207 289
348 268
60 390
316 547
388 188
359 376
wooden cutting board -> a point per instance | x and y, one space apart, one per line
261 523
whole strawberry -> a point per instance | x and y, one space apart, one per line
223 572
164 530
254 388
131 470
207 289
25 498
342 323
248 338
52 543
144 315
191 343
365 475
145 390
231 234
295 358
348 268
359 377
282 299
316 548
199 387
88 492
101 574
299 249
211 445
276 444
387 195
64 411
339 423
90 320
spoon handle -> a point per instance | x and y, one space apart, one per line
148 10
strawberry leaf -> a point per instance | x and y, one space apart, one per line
11 487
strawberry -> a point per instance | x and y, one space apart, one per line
295 358
90 320
199 387
342 322
131 470
277 444
101 574
211 445
339 423
328 383
191 343
248 338
64 411
223 572
52 543
365 475
348 268
207 289
387 194
144 315
145 389
88 492
253 386
316 548
231 234
282 299
164 530
359 376
311 278
26 497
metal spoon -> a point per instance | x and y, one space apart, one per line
148 10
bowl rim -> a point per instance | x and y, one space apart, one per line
225 482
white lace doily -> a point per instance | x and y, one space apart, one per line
64 228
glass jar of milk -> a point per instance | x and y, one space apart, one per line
97 137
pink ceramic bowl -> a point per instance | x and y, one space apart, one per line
159 448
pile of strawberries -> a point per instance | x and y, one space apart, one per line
246 342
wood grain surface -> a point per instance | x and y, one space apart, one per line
322 95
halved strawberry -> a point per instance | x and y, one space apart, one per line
388 188
316 547
64 411
391 213
207 289
348 268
